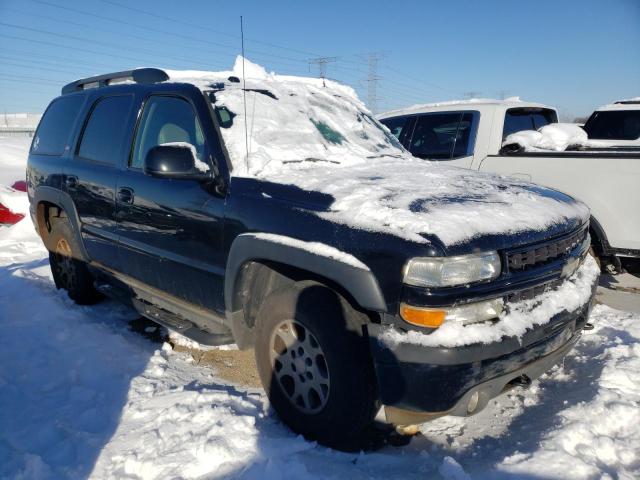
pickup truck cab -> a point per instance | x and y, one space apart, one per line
361 276
471 134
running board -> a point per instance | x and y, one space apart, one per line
180 325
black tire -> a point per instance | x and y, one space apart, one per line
342 419
69 272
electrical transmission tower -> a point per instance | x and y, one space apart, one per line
372 81
472 94
322 62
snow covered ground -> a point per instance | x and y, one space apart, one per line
82 395
13 158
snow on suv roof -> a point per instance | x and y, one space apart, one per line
511 102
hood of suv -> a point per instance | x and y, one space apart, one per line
426 202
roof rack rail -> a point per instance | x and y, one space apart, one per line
139 75
628 102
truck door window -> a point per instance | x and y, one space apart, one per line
395 125
434 136
167 120
105 131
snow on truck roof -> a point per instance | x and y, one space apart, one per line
318 136
511 102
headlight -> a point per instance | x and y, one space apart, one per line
450 271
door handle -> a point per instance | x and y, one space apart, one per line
71 181
125 195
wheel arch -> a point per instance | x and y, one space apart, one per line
47 199
262 266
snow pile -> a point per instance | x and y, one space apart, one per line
318 136
82 396
522 316
13 159
554 136
15 201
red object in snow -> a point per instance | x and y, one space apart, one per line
7 216
20 185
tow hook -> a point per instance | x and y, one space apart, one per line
522 381
588 326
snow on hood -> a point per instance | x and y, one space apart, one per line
554 136
317 135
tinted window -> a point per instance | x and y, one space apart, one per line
442 136
518 119
614 125
55 126
395 125
167 120
106 130
463 136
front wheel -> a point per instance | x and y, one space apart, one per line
314 364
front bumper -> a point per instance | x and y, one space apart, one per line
439 381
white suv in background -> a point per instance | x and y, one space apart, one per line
616 125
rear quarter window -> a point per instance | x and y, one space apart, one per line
55 127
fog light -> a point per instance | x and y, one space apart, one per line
473 402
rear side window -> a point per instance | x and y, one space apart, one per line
55 126
106 130
443 136
614 125
519 119
395 125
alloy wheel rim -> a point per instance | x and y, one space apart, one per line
299 366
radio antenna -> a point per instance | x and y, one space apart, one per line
244 97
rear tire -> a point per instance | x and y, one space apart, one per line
69 272
314 364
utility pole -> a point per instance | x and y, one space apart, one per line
502 94
472 94
322 62
372 81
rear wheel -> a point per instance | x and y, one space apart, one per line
314 364
69 272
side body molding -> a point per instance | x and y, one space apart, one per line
359 282
63 200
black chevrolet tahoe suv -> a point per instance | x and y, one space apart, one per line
132 189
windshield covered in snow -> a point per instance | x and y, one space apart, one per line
292 121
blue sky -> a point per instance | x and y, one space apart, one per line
573 54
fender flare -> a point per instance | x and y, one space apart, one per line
63 200
247 247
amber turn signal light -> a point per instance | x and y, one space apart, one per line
422 317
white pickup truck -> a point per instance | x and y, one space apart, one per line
470 134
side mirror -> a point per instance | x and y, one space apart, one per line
177 161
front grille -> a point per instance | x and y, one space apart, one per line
537 255
532 292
